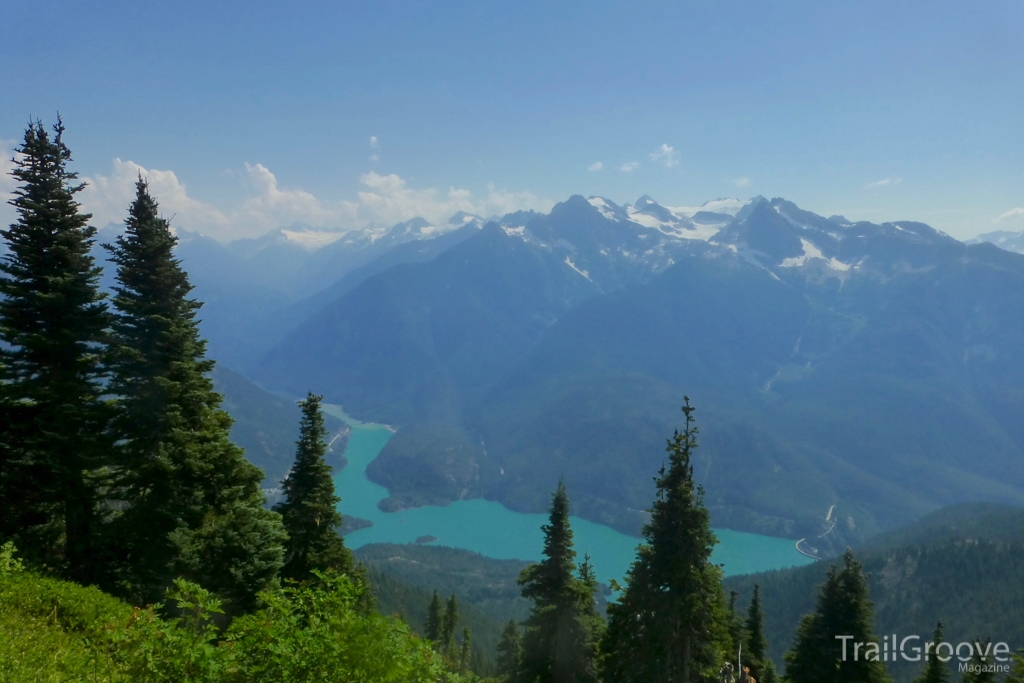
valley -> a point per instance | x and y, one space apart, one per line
490 529
870 367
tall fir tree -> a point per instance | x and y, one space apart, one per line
735 627
509 652
560 640
980 669
433 625
768 673
671 623
53 325
935 670
194 504
449 622
466 651
843 610
755 648
310 506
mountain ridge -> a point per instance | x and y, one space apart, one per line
766 317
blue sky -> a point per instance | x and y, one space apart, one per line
251 115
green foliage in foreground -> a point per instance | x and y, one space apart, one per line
52 630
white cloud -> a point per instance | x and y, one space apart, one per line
884 182
1017 212
667 155
596 166
388 199
741 182
267 205
374 142
7 182
629 167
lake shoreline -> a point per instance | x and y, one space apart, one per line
492 530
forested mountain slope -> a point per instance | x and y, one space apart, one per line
874 367
963 565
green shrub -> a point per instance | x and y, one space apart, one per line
325 634
54 631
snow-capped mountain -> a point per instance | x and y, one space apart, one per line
1004 239
597 235
863 363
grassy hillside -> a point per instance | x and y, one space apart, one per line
49 630
54 631
963 565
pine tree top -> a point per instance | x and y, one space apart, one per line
52 314
550 580
935 670
757 642
151 281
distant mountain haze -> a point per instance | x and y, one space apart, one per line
875 367
1004 239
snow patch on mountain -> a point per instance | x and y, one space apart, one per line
515 231
605 208
568 262
812 252
311 240
724 205
646 220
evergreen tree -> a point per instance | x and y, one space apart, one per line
509 652
768 673
465 652
1016 674
194 504
433 625
735 628
310 508
560 642
53 325
449 622
935 670
671 623
843 609
976 671
756 647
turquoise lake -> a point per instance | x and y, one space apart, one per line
491 529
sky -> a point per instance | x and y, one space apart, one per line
250 116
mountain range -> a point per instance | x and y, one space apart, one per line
1004 239
871 367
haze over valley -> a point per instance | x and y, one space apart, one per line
870 367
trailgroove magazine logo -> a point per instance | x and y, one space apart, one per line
911 649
